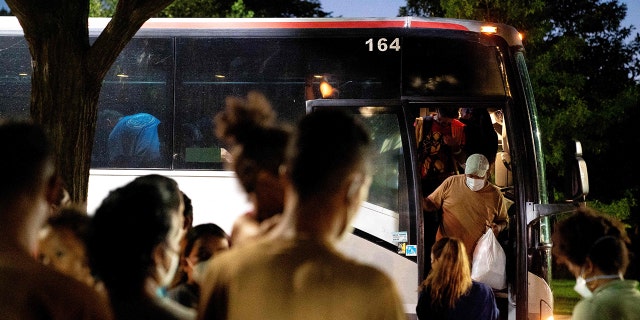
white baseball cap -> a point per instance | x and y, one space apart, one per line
477 165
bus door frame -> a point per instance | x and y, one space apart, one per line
405 122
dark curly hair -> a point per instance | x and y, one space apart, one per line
257 142
588 234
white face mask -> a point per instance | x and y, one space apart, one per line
581 287
475 184
581 284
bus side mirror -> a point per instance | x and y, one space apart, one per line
578 186
579 182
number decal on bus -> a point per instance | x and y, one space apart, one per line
383 44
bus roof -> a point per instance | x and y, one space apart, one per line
9 24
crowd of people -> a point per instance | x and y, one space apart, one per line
139 256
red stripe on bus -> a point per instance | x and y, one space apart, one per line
272 24
437 25
300 24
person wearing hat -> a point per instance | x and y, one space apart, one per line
469 204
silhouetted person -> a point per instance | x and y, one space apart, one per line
28 186
134 247
105 123
248 126
481 136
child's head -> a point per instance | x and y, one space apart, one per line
203 242
62 243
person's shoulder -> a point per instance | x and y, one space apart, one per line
614 290
244 228
251 251
584 310
356 271
140 121
493 188
56 282
456 178
482 287
63 294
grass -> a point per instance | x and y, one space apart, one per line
564 297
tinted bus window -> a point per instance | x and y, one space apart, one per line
140 81
451 67
15 78
210 69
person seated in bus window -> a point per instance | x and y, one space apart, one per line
257 145
296 270
62 245
134 247
441 142
28 187
134 142
594 249
469 204
202 243
107 119
448 292
191 135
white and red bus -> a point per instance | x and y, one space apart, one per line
389 70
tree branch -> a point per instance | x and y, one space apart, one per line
129 16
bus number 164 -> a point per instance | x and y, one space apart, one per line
383 44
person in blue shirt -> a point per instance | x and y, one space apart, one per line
448 292
134 142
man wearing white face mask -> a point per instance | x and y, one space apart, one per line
470 204
594 249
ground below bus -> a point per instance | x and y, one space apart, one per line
564 298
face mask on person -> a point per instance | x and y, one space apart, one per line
581 286
475 184
581 283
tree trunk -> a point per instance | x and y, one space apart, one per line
64 100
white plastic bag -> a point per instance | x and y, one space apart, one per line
489 262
